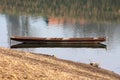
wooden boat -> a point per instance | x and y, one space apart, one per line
57 40
57 45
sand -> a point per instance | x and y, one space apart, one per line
20 65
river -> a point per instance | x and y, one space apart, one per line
66 27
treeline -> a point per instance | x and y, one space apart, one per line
108 10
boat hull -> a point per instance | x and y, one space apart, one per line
57 45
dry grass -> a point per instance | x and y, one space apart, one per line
19 65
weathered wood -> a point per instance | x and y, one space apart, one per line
57 40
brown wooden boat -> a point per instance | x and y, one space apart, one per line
57 40
57 45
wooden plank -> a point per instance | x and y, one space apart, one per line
59 40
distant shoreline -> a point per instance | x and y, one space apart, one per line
92 11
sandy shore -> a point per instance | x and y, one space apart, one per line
19 65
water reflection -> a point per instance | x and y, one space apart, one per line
4 40
17 25
66 28
40 27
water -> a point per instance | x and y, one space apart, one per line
108 58
34 25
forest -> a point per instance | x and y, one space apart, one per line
94 10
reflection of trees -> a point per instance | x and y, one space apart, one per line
20 26
78 30
94 30
87 30
17 25
111 34
25 25
13 24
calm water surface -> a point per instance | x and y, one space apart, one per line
38 27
